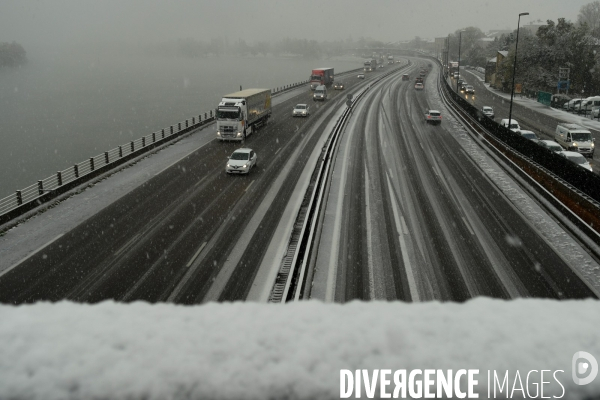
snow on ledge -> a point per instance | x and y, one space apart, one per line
246 350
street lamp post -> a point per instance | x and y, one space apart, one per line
448 55
512 90
459 42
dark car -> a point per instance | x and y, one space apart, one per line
488 111
405 77
338 85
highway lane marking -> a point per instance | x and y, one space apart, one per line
278 150
164 169
412 284
404 226
126 245
31 255
369 237
195 255
201 180
468 226
248 187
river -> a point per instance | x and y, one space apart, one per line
65 106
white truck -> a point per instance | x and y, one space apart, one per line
239 114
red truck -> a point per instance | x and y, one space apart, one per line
321 76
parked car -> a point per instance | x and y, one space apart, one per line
529 135
559 100
360 76
577 159
338 86
433 117
514 124
419 86
586 105
241 161
551 145
488 111
595 112
301 110
570 105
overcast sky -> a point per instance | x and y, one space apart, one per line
67 21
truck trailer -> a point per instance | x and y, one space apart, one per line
370 65
239 114
321 76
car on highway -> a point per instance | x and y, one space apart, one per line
405 77
551 145
529 135
338 86
433 117
360 76
301 110
488 111
463 87
419 86
514 124
469 89
577 159
241 161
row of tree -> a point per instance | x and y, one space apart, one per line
11 54
555 45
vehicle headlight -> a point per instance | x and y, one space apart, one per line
228 165
218 133
245 165
239 134
574 144
592 145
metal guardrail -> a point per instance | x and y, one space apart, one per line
44 190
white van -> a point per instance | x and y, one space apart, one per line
514 124
320 93
588 104
575 138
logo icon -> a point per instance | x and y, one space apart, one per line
580 368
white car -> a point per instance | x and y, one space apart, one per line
301 110
433 117
361 76
514 124
577 159
551 145
241 161
418 86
